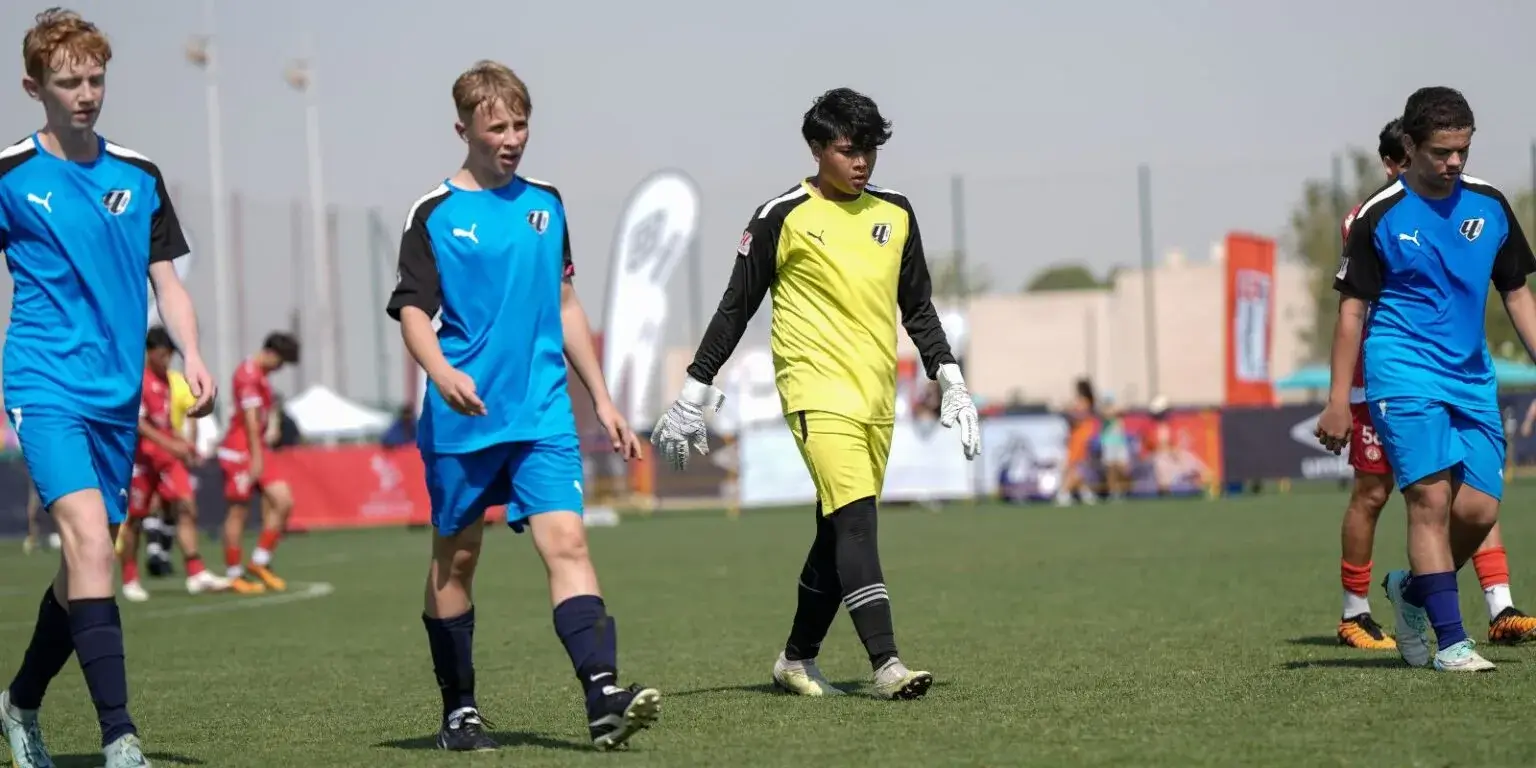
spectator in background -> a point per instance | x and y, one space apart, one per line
1115 452
1083 415
403 431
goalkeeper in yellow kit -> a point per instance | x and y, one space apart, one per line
842 258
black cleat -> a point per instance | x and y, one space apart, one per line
622 713
160 566
464 731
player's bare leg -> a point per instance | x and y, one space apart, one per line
127 548
1473 512
1357 628
199 578
819 597
34 506
448 613
589 634
276 504
78 615
234 529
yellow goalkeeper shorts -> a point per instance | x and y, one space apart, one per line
846 458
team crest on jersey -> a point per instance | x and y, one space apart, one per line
1471 228
116 200
539 220
881 233
746 244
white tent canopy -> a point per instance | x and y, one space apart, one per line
321 414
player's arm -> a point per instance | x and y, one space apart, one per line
418 295
166 244
579 349
1358 282
914 295
1511 268
755 270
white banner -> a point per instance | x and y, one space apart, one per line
654 235
926 463
1023 457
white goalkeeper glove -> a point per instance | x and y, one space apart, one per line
957 408
682 426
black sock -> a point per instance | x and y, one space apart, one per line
50 648
97 629
858 568
452 642
819 594
591 639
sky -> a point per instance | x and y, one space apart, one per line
1044 108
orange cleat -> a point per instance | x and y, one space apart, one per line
244 586
1364 633
268 578
1512 627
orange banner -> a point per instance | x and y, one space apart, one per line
1250 319
1183 447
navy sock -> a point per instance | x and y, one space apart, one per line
1437 593
452 641
49 650
97 629
591 639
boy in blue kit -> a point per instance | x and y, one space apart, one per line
1421 253
82 221
490 251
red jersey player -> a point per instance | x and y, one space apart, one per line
1373 485
244 458
160 471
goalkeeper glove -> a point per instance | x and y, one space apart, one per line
957 408
682 426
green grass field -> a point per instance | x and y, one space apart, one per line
1147 634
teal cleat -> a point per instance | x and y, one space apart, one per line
1412 622
22 734
1461 658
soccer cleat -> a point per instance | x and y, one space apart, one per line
29 545
267 577
205 582
622 713
1512 627
802 678
242 586
894 681
126 752
1461 658
19 726
1412 622
464 731
1364 633
134 592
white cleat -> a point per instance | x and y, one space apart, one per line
1412 622
205 582
1461 658
894 681
802 678
134 592
19 726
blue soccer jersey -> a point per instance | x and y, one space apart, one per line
79 239
492 263
1425 266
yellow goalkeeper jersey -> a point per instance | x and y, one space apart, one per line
182 401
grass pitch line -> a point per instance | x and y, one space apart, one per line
296 593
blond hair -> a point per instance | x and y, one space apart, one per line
57 33
487 83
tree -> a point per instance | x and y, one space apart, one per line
1063 277
1502 339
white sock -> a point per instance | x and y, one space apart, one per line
261 557
234 571
1354 604
1498 598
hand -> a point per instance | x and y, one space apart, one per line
625 443
200 382
458 390
682 426
1333 427
957 408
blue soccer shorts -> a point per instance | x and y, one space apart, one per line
528 477
66 452
1423 437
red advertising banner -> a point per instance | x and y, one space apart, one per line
354 486
1250 319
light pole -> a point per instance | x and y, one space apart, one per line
200 52
301 76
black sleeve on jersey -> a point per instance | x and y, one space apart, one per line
1514 261
417 283
914 294
755 270
1359 275
166 240
568 269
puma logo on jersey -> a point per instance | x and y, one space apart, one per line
816 235
1413 238
43 201
467 234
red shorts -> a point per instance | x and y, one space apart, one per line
1365 452
238 482
156 475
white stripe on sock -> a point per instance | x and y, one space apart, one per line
859 598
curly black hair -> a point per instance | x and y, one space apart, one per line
843 113
284 345
158 338
1390 142
1436 108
